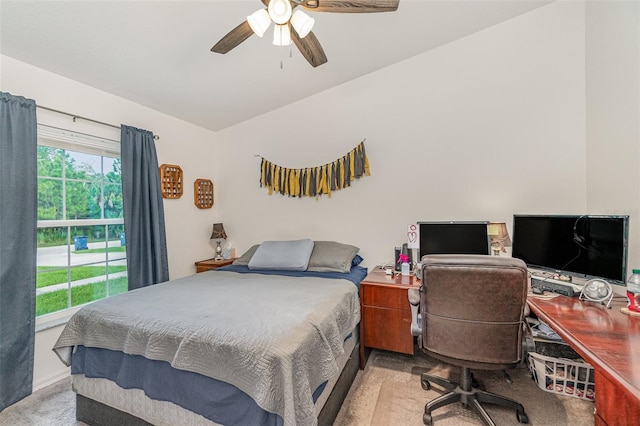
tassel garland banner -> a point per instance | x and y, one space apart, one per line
315 181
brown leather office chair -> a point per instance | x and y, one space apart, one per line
471 316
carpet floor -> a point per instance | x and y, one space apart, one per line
386 393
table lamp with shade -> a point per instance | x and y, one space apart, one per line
218 235
499 237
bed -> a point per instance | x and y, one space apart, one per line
266 345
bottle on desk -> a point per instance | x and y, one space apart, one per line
405 269
633 291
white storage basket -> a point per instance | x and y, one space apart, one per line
562 376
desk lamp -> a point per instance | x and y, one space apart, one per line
499 237
218 235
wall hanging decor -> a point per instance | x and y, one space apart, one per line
203 193
171 181
315 181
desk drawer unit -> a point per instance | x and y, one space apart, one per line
386 317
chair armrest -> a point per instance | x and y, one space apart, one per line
416 318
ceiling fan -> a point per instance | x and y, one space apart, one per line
293 25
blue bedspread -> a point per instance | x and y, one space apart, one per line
357 274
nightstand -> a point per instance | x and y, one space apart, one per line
385 313
209 264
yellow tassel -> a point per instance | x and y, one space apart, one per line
323 181
326 186
318 170
366 160
286 182
352 164
291 191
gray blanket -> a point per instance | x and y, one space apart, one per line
276 338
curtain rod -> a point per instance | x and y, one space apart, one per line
155 137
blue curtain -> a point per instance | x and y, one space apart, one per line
18 216
143 209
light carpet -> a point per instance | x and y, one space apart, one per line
388 392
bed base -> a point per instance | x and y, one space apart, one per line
95 413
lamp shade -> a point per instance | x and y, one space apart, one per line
281 35
280 11
218 232
499 235
302 23
259 21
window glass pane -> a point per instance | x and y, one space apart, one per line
118 285
79 202
50 199
112 201
52 237
50 161
92 285
52 271
51 301
98 281
83 166
87 245
116 235
111 168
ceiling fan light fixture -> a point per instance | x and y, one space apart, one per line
302 23
280 11
259 21
281 35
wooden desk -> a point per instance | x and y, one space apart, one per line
385 312
608 340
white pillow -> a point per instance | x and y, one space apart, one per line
284 255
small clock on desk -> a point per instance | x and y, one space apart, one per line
209 264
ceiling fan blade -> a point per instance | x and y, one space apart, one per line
356 6
310 48
233 38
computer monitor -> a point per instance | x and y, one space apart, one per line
583 246
454 237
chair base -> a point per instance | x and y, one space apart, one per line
469 396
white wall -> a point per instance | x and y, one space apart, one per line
613 113
487 126
191 147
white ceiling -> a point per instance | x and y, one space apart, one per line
157 53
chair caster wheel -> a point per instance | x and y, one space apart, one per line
426 419
425 384
522 417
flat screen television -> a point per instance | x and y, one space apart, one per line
454 238
586 246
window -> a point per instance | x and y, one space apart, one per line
81 244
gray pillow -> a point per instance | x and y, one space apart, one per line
246 257
330 256
283 255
